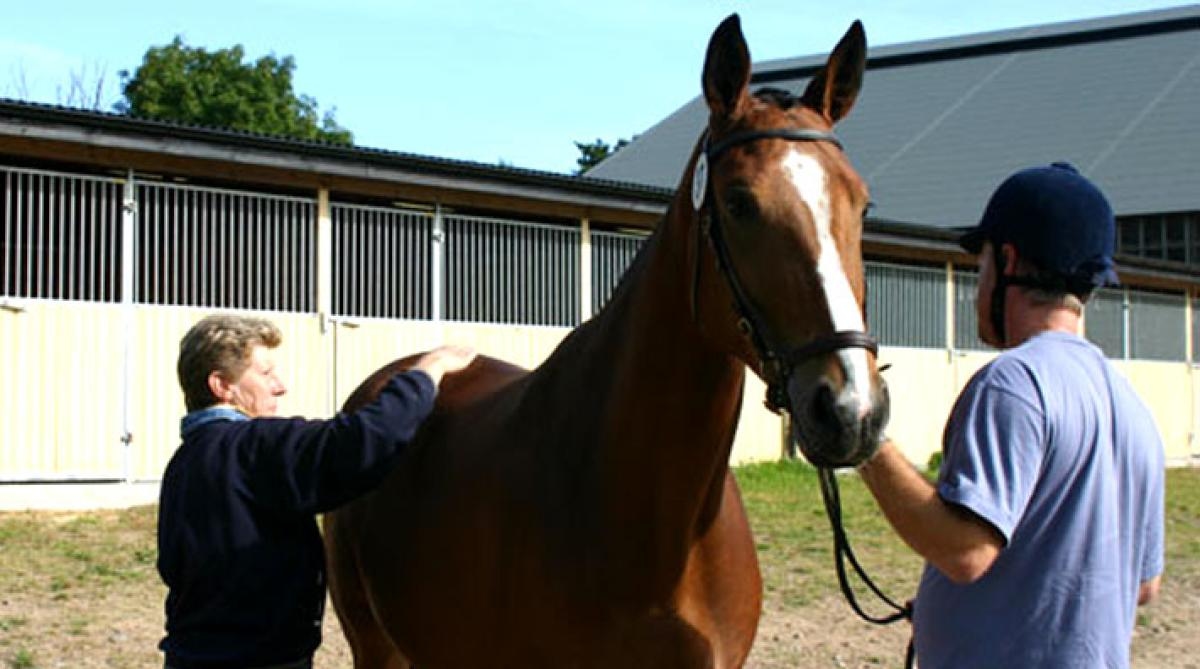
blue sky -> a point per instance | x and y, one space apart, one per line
513 81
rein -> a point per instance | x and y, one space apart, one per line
776 363
843 553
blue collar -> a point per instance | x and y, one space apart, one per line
204 416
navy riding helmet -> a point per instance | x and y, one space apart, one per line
1057 220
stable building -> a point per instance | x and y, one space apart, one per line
116 234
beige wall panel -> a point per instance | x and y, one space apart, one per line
366 345
1165 388
922 384
62 402
1194 423
526 346
60 391
363 346
760 433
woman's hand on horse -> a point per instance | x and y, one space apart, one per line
445 360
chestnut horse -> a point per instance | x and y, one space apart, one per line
583 514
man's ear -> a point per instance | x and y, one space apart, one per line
1009 253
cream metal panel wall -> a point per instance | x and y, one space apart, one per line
62 401
922 384
61 405
1164 388
1194 435
924 387
363 346
760 435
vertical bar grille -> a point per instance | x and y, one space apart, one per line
612 254
502 271
59 236
966 321
381 262
1156 326
217 248
906 306
1104 321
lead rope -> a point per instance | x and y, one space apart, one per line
843 553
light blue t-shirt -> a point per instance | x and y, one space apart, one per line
1050 445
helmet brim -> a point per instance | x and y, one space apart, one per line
972 239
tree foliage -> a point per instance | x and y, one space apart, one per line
591 154
190 85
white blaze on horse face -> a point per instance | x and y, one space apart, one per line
844 311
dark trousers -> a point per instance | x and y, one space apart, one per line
306 663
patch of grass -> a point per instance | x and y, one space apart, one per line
77 555
77 626
795 542
22 659
1183 526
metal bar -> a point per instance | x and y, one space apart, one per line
35 238
257 257
10 231
376 291
128 221
54 220
70 241
286 267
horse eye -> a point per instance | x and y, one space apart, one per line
740 204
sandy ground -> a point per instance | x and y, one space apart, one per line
120 630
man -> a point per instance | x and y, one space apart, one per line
1045 529
238 544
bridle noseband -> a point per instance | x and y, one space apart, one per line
776 362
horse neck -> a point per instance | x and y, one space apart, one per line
665 401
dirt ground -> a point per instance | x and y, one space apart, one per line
120 629
80 591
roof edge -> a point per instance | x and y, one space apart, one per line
1028 38
97 120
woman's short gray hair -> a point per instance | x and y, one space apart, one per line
220 343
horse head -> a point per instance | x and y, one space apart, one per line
782 211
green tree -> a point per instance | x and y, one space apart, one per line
190 85
591 154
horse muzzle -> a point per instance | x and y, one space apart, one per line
837 421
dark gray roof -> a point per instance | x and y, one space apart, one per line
30 120
940 123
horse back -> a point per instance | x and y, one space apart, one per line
482 378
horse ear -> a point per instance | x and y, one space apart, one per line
833 90
726 68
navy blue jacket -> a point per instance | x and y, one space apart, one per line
238 545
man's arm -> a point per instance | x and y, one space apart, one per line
958 543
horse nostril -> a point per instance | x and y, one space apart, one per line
824 407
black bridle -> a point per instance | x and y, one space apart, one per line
777 362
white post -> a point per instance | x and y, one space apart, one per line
128 298
951 299
437 253
324 296
585 269
1126 344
